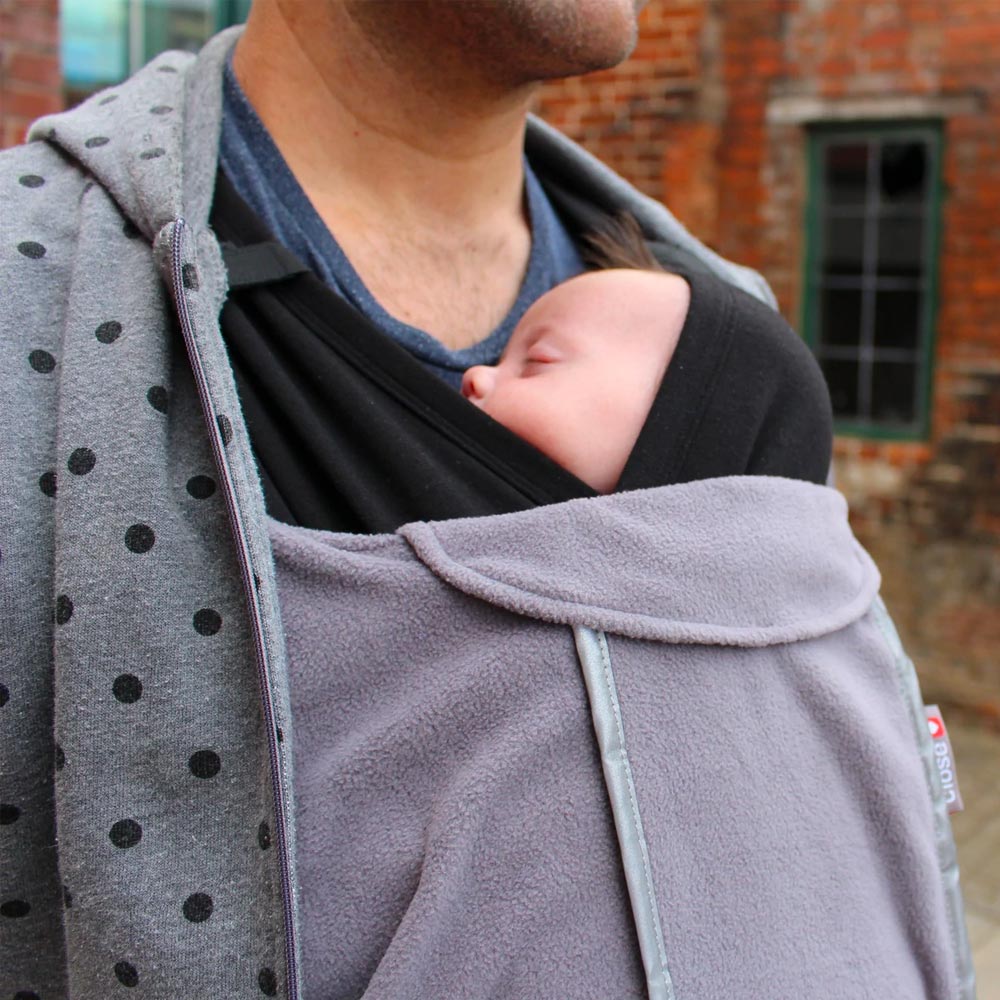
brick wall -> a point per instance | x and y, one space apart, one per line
708 116
30 80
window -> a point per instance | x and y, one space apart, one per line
103 41
871 272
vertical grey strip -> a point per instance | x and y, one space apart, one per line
595 659
947 857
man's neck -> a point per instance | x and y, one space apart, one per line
419 175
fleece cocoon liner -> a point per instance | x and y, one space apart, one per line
456 832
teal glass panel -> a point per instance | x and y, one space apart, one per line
93 43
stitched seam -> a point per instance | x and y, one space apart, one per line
892 641
790 632
651 898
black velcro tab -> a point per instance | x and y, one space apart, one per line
260 264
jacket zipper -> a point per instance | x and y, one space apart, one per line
257 625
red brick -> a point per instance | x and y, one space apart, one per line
34 69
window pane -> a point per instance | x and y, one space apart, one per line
897 318
93 44
846 173
903 172
176 24
840 316
894 392
842 378
900 247
843 246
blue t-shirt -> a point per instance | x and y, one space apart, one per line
265 182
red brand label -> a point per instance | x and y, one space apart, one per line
944 759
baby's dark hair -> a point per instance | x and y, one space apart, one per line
618 242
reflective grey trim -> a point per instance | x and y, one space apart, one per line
595 659
947 857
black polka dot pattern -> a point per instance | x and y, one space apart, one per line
201 487
64 609
225 428
127 688
81 461
126 974
189 277
47 483
4 695
109 331
60 758
140 538
31 249
207 621
125 833
264 836
152 154
205 764
8 814
96 141
42 361
198 907
131 230
157 398
14 908
30 180
268 982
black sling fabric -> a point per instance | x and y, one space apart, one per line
351 433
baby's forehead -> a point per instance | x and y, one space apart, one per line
612 299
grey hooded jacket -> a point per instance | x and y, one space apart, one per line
147 837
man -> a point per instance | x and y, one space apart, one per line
149 817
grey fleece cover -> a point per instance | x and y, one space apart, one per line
147 841
455 834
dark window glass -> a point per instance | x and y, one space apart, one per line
903 173
897 318
840 316
873 218
894 392
900 246
844 246
842 378
846 174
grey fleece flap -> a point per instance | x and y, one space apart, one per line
745 561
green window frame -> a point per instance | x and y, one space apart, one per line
104 41
871 271
157 25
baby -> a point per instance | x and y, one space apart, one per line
586 371
582 367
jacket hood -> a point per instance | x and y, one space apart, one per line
152 141
745 561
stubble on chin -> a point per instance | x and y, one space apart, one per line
509 42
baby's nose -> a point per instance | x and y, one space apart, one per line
477 382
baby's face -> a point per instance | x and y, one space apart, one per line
582 368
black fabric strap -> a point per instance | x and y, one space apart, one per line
260 264
351 433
